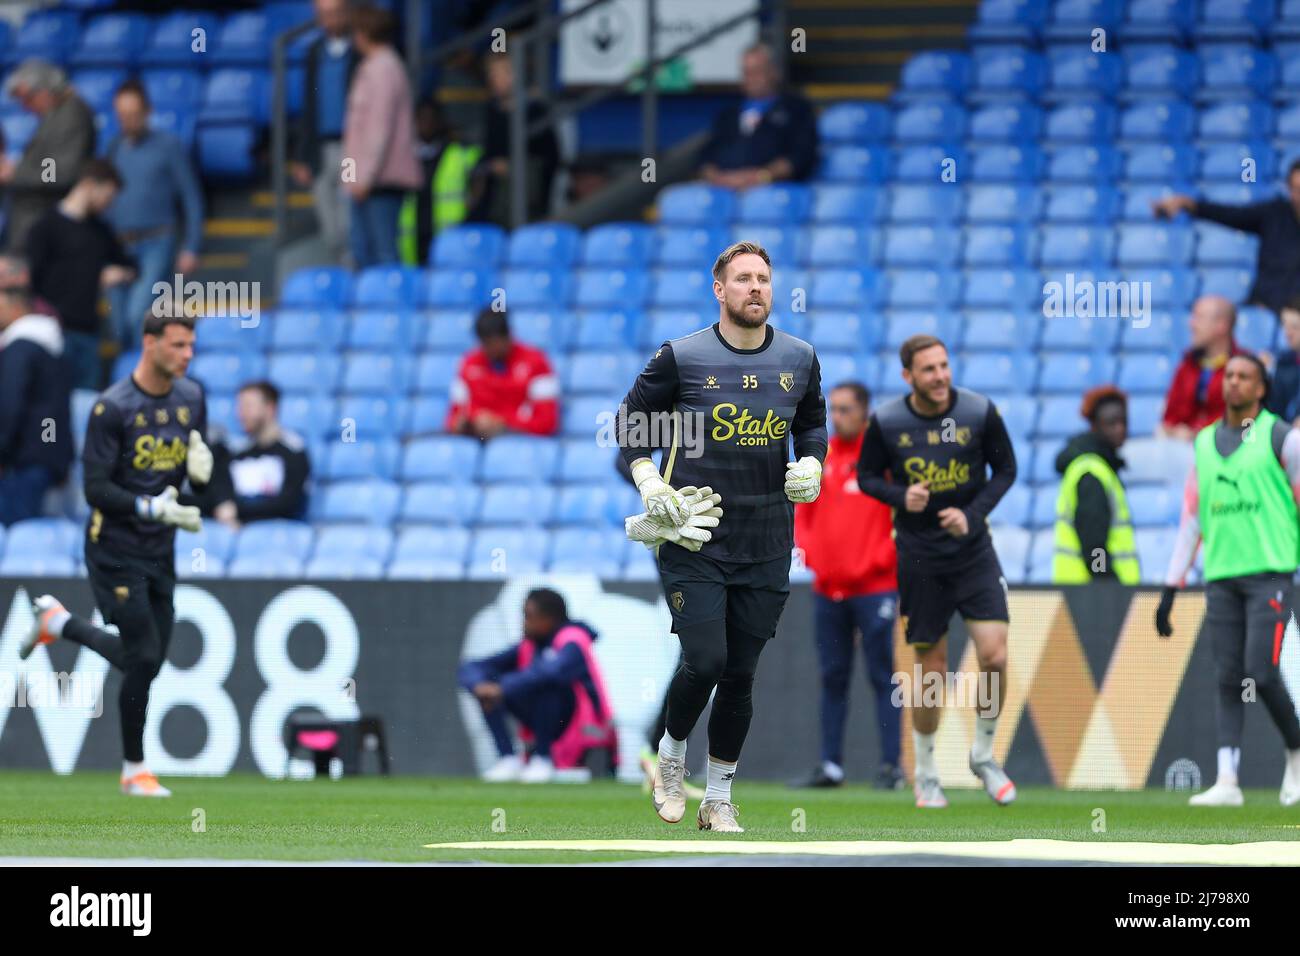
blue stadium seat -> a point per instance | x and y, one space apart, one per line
1001 202
292 539
831 247
584 460
1083 164
519 458
995 246
1074 246
257 566
997 332
1234 70
843 289
615 329
1005 72
1144 413
441 502
665 324
225 151
213 542
45 35
921 245
1042 512
348 460
854 123
353 541
1012 544
1146 373
1219 246
582 415
1158 121
216 333
371 500
784 203
506 551
469 246
1155 506
930 121
1077 71
1228 161
687 246
1160 70
1154 546
1079 334
1074 372
1172 287
681 288
226 371
243 40
838 202
445 457
1008 21
303 371
375 372
840 331
517 503
1074 20
994 371
425 414
689 204
182 39
1235 120
441 563
447 330
379 330
547 329
1232 284
1164 21
623 244
112 39
536 288
304 328
1164 244
370 417
786 245
1082 121
928 163
1161 162
902 325
343 568
1138 198
1240 20
310 416
172 89
1257 328
39 539
855 164
840 367
934 73
924 204
386 287
589 550
458 288
1164 332
431 542
1094 204
1286 25
611 288
1007 288
1018 415
1058 417
598 373
434 372
96 87
236 95
322 286
1009 122
544 245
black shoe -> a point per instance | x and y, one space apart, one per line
818 778
889 778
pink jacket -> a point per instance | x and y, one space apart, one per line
592 724
379 129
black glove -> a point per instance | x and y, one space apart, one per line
1163 627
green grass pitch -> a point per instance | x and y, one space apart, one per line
249 817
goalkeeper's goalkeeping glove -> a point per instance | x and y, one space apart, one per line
703 514
164 509
803 479
659 497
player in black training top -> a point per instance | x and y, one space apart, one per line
741 390
928 455
144 438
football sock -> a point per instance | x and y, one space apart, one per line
671 747
924 745
56 622
719 785
132 767
982 747
1229 758
833 770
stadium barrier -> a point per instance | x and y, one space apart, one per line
1095 699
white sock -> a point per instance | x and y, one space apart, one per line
57 620
982 748
719 786
130 769
924 745
668 747
1229 758
833 770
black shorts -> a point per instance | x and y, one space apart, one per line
699 589
133 593
1246 619
927 599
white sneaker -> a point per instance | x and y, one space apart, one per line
996 782
667 794
1289 795
538 770
144 784
505 770
929 794
718 816
1219 795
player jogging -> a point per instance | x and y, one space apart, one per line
145 436
742 390
1240 500
926 455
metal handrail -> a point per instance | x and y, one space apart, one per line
280 122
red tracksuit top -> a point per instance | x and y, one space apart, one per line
525 392
847 537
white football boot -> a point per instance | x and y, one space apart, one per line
667 793
144 784
43 608
996 782
1219 795
929 794
1289 795
719 816
506 770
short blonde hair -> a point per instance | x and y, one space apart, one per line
738 249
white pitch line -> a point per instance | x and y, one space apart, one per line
1270 853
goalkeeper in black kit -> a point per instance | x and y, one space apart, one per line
721 514
144 438
929 456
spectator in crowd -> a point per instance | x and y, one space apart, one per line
268 478
551 684
318 141
503 385
1195 396
36 441
158 182
1277 223
1284 392
847 540
491 188
769 136
442 200
1094 531
51 162
72 253
379 137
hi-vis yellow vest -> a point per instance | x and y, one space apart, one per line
448 195
1069 564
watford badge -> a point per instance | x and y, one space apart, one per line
787 381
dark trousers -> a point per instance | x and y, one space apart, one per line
834 623
545 711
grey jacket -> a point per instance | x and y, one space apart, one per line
66 135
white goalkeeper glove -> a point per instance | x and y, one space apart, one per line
803 479
164 509
198 460
703 505
659 497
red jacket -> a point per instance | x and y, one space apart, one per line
1181 406
847 537
524 391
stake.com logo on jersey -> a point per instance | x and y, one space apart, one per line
740 424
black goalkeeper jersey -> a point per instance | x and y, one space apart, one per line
954 451
141 441
739 409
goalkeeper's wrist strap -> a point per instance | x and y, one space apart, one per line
143 507
644 470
